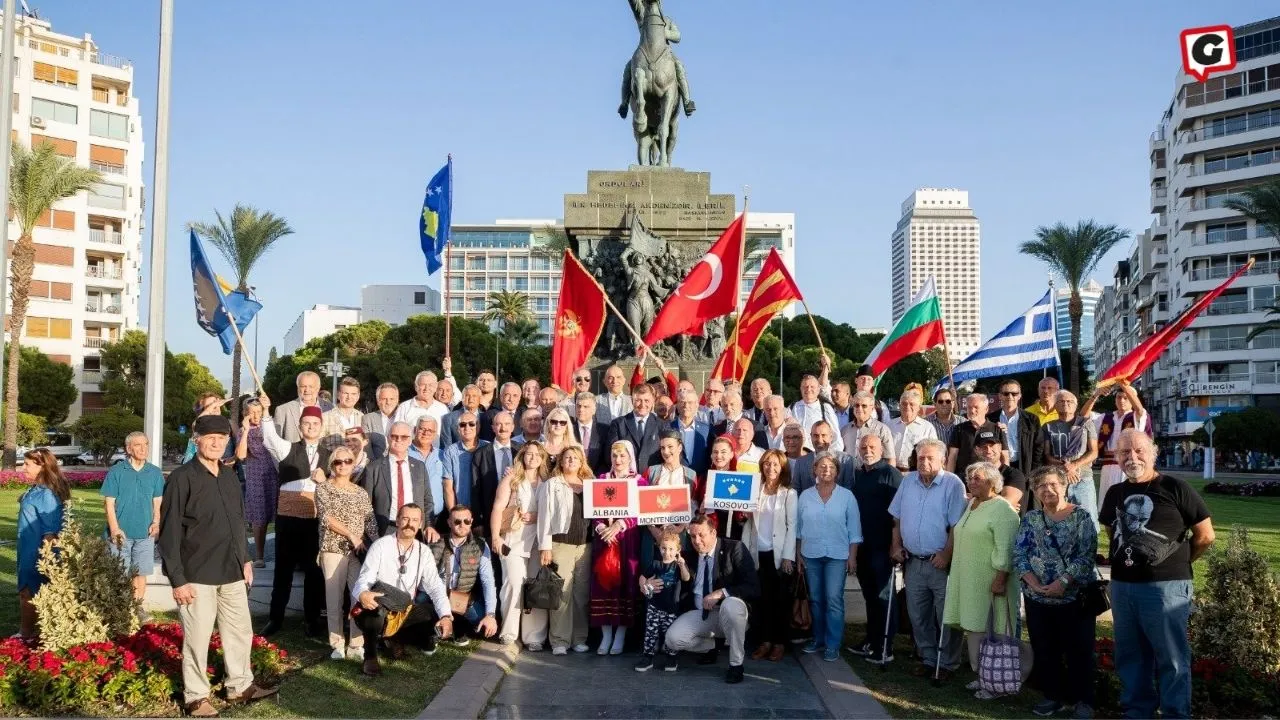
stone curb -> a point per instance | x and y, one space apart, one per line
841 690
467 693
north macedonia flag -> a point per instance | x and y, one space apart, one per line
773 292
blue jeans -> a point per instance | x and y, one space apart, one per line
1153 656
1085 494
138 555
826 599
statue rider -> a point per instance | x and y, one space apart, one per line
673 36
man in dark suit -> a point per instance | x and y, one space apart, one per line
397 480
1021 428
487 467
377 423
694 433
593 435
509 402
724 582
640 427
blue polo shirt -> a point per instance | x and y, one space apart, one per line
435 475
456 461
133 491
925 514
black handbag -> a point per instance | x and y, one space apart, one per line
1095 596
544 591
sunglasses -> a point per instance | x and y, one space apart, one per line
1010 394
466 424
944 402
461 522
582 379
340 461
558 422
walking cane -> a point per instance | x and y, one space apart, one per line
937 666
888 617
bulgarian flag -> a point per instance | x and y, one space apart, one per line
919 329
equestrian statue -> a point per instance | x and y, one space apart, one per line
652 85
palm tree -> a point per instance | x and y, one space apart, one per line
243 242
508 308
1261 203
38 178
522 333
1073 253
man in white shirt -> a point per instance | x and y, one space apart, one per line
760 390
810 408
424 403
615 402
909 429
862 423
344 415
775 419
377 423
401 562
749 454
712 413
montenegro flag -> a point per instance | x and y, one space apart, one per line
580 319
773 292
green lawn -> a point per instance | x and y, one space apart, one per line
1261 515
320 687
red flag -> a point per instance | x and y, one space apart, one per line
637 375
580 318
774 290
709 291
672 384
1131 366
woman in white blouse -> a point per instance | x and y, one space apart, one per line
514 529
670 472
770 536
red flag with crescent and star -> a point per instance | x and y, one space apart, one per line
580 319
709 291
774 290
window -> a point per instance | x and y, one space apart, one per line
541 304
498 262
1224 338
497 283
65 148
542 284
455 284
541 262
92 363
475 262
1263 296
457 263
101 94
51 111
475 284
475 304
420 297
55 75
1228 372
106 159
108 125
1226 232
107 196
520 284
43 327
1268 340
1267 372
520 263
455 304
57 219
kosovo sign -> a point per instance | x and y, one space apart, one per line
732 491
610 498
664 504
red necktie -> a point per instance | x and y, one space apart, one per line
404 487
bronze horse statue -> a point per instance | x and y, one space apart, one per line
653 83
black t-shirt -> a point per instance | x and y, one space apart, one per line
962 441
668 598
1014 478
874 487
1149 523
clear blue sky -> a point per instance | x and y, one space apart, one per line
334 115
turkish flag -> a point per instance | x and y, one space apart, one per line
580 318
1131 366
773 291
709 291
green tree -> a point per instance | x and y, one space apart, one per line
522 332
1031 380
31 430
37 179
1261 203
356 344
102 433
272 355
1072 253
507 307
243 241
1237 621
45 388
124 377
1248 429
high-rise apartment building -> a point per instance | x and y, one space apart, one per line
1090 294
86 286
1215 139
939 235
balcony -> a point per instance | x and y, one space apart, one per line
106 237
1228 377
96 342
103 272
1233 307
1217 237
94 306
107 168
89 377
109 60
1258 159
1221 344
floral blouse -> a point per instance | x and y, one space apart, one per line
351 507
1055 549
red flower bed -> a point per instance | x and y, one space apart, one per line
1217 689
77 479
139 674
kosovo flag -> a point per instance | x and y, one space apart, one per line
214 306
437 214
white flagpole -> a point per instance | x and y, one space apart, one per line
154 407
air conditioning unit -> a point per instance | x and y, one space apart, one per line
37 122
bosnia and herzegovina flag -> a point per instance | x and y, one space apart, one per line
437 214
216 303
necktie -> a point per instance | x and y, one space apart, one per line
706 584
402 484
504 461
640 425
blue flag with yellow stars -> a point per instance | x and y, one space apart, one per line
437 212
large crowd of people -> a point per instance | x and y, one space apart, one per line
429 518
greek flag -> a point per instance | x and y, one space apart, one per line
1028 343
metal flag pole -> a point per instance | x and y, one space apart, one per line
154 407
448 245
244 351
782 350
742 269
7 47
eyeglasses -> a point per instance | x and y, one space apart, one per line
398 437
461 521
466 424
558 422
1009 394
424 430
343 461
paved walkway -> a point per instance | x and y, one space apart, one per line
541 685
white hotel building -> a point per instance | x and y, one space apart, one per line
85 289
939 235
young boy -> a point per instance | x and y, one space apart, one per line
661 584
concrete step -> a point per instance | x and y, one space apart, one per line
159 597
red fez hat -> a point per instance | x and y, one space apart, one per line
312 411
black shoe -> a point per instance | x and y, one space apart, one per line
671 662
861 649
644 664
709 657
430 647
734 675
272 627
